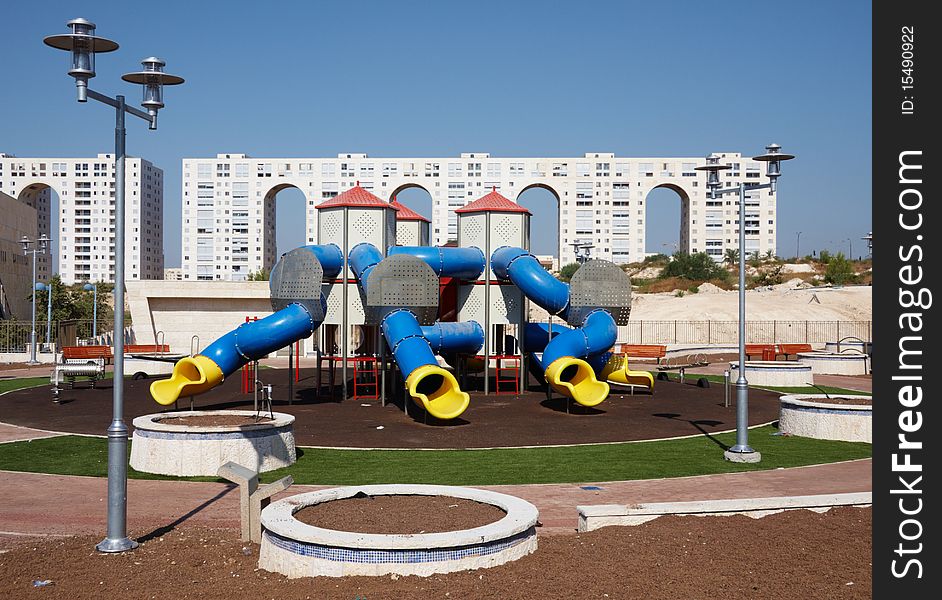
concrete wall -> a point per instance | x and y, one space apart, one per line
15 268
181 309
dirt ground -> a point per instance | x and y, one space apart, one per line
401 515
796 554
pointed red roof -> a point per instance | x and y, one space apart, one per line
493 202
356 197
407 214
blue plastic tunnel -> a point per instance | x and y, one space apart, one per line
461 263
466 337
536 283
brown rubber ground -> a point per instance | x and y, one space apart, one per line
674 409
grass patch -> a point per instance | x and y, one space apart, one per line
701 455
9 385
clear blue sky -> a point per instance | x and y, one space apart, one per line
510 78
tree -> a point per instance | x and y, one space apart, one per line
260 275
769 255
566 273
698 266
839 270
73 302
731 257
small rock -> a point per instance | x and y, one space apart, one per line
394 577
246 551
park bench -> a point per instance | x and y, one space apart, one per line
788 349
764 351
644 351
87 352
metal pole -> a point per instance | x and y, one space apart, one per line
95 314
741 452
49 314
798 246
487 301
346 309
32 335
117 540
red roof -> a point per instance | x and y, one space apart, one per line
355 197
493 202
407 214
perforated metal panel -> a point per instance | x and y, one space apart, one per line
330 226
334 294
407 233
296 278
506 301
471 232
506 230
599 284
471 303
403 281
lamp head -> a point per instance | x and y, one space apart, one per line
40 286
713 168
83 44
88 287
153 78
773 158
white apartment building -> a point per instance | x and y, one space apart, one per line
84 226
229 201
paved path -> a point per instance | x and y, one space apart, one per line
15 433
34 504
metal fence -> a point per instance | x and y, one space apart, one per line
757 332
15 335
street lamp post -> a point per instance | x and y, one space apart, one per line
742 452
83 44
798 246
42 287
89 287
34 247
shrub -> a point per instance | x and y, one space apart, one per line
698 266
566 273
839 271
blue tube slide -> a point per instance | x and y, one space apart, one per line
466 337
536 283
249 341
461 263
428 384
564 360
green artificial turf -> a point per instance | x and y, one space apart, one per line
701 455
8 385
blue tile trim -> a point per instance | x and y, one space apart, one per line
831 411
370 556
226 435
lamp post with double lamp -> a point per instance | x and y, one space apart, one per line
742 452
83 44
42 287
88 287
34 247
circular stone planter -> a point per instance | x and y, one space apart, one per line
773 373
838 347
811 415
297 549
190 450
832 363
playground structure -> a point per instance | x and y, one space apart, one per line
467 304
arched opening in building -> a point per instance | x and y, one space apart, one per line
415 197
543 202
285 228
45 200
666 221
